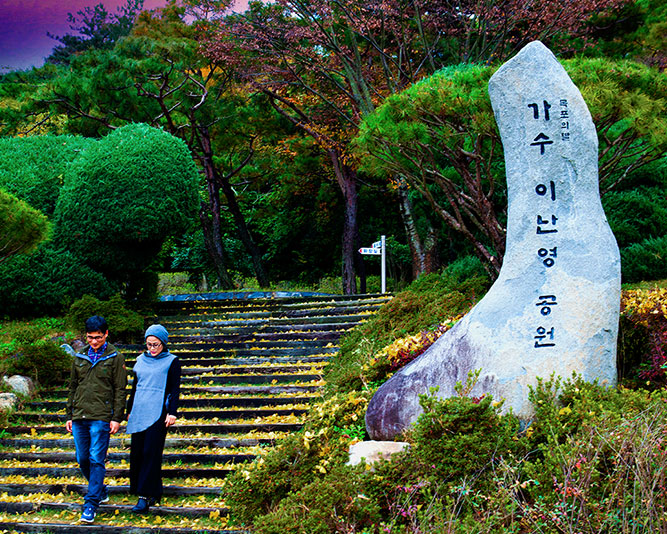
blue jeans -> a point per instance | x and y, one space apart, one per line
91 439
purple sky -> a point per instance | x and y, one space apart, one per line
24 23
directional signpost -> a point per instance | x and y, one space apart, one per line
378 249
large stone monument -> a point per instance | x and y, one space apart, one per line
555 305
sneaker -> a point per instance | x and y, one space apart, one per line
105 497
88 514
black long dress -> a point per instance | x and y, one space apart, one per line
146 447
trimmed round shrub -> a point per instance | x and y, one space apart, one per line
123 197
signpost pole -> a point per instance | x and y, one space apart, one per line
384 265
379 248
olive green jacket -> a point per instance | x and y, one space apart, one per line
97 391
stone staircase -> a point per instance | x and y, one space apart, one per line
251 368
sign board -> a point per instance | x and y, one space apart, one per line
379 248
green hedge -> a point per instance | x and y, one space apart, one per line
46 283
645 261
22 227
33 168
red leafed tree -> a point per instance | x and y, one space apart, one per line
326 64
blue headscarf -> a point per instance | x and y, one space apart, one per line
158 331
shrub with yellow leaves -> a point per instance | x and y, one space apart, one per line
400 353
642 354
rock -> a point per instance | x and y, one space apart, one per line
372 451
68 349
554 308
20 384
8 401
77 345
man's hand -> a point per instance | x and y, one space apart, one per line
114 426
68 426
170 420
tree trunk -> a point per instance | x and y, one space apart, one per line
242 228
243 232
424 252
347 181
209 214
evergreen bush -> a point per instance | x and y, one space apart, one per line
320 448
636 215
42 360
46 283
22 228
461 438
335 503
645 260
125 324
123 197
31 349
33 168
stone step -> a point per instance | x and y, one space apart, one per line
27 507
227 319
227 402
177 337
251 379
81 489
253 359
233 301
294 370
268 354
258 334
222 429
243 302
194 414
248 362
67 528
167 472
265 348
116 457
256 361
307 314
227 370
266 390
123 440
265 326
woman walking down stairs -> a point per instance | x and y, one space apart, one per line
250 369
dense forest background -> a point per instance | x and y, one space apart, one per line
262 149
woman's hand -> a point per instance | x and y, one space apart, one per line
170 420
